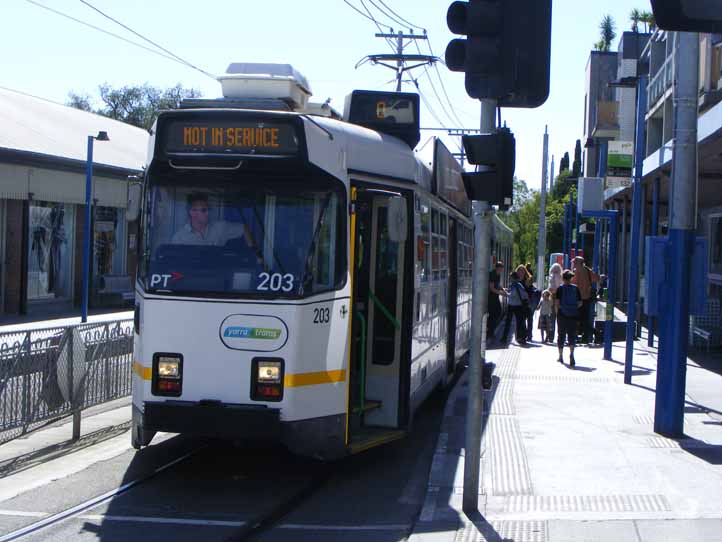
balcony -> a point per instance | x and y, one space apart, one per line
606 120
660 83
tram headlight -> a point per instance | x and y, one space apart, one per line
269 372
167 374
267 379
169 367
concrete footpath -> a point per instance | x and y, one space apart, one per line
569 455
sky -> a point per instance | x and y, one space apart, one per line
48 56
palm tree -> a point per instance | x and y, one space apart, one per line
647 17
606 34
635 16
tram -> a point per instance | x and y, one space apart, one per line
301 279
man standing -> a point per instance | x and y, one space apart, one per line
583 279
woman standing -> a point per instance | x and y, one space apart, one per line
555 281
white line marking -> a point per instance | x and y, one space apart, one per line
310 527
20 513
92 503
171 521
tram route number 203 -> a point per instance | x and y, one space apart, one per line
275 282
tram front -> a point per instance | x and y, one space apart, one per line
242 297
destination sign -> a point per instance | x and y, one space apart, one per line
230 137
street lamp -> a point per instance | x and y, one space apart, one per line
640 83
102 136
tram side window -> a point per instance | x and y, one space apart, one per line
435 245
423 246
443 247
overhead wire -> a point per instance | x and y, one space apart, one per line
378 25
453 118
443 86
428 105
88 4
400 17
394 19
107 32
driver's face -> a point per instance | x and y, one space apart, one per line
199 215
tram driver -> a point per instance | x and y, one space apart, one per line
200 230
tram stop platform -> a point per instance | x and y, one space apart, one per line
569 454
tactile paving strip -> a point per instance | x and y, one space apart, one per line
509 468
507 363
587 503
507 531
662 442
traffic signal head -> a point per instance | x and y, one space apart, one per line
506 53
495 154
688 15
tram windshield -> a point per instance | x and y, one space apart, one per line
211 234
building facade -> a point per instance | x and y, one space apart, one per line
43 157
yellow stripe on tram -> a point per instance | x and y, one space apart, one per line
312 379
144 372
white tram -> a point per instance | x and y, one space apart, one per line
301 278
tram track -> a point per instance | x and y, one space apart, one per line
79 509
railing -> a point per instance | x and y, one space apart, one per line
46 374
660 83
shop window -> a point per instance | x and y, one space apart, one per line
51 229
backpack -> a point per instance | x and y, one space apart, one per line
568 302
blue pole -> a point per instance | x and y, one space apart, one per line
611 285
577 240
633 291
654 229
86 237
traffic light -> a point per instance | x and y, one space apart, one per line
495 154
688 15
507 50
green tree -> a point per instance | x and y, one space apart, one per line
564 163
136 104
635 16
607 33
647 17
577 165
523 219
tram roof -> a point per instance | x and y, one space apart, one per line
376 153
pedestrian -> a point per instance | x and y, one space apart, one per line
583 279
518 308
495 290
555 280
546 310
526 280
567 303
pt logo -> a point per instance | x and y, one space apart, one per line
162 279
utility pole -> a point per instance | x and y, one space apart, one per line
481 211
542 240
674 320
399 57
551 175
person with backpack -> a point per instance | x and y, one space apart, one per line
583 279
518 308
567 302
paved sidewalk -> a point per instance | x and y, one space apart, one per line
569 455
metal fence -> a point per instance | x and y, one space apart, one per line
46 374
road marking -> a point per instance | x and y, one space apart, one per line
20 513
170 521
311 527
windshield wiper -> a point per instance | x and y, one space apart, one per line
306 275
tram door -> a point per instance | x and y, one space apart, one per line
378 300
